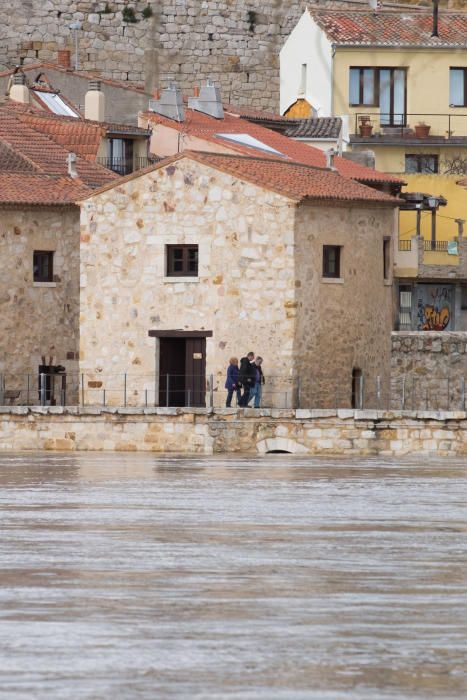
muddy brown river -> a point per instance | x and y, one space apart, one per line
148 577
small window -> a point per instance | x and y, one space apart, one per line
43 268
421 163
331 261
387 258
303 79
458 87
405 307
182 260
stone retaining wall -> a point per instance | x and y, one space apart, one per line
204 431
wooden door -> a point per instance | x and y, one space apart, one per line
195 371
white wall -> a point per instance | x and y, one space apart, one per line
307 44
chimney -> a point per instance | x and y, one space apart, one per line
170 104
64 58
19 91
71 162
94 102
330 153
209 101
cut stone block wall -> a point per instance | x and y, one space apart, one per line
428 370
185 431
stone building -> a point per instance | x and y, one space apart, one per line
207 256
39 250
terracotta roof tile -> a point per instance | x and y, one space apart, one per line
207 128
318 128
45 154
296 181
392 27
40 190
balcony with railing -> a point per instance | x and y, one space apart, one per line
417 257
435 129
126 166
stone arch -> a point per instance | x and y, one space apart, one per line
280 444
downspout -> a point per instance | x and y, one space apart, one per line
333 53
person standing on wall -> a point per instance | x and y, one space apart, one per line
256 392
247 376
231 382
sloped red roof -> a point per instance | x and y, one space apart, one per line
40 189
205 127
392 27
82 136
85 75
295 181
43 153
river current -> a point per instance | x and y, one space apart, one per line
263 578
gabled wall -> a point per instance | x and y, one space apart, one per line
307 44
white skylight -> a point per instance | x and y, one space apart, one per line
251 142
55 103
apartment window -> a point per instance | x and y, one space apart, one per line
43 269
458 87
421 163
380 87
120 156
332 261
363 89
387 258
182 260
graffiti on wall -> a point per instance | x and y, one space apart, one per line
434 307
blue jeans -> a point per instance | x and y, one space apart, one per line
256 393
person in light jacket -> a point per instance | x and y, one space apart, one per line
231 382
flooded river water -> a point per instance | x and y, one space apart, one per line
137 576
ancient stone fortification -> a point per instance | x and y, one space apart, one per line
235 42
429 370
202 431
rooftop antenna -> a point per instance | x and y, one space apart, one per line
76 26
435 18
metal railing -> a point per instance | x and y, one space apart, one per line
405 246
410 391
137 390
428 245
125 166
403 124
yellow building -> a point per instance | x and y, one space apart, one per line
398 80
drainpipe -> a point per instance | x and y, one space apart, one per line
435 18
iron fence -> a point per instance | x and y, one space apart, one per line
410 391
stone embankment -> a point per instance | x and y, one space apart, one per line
206 431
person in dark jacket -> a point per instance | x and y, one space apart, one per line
247 376
256 393
231 382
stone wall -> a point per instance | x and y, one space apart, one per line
429 370
344 432
259 287
234 42
38 319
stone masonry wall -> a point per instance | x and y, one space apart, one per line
200 431
38 319
429 370
234 42
243 294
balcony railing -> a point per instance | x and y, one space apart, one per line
436 246
404 125
125 166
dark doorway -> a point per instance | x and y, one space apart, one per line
357 388
182 370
